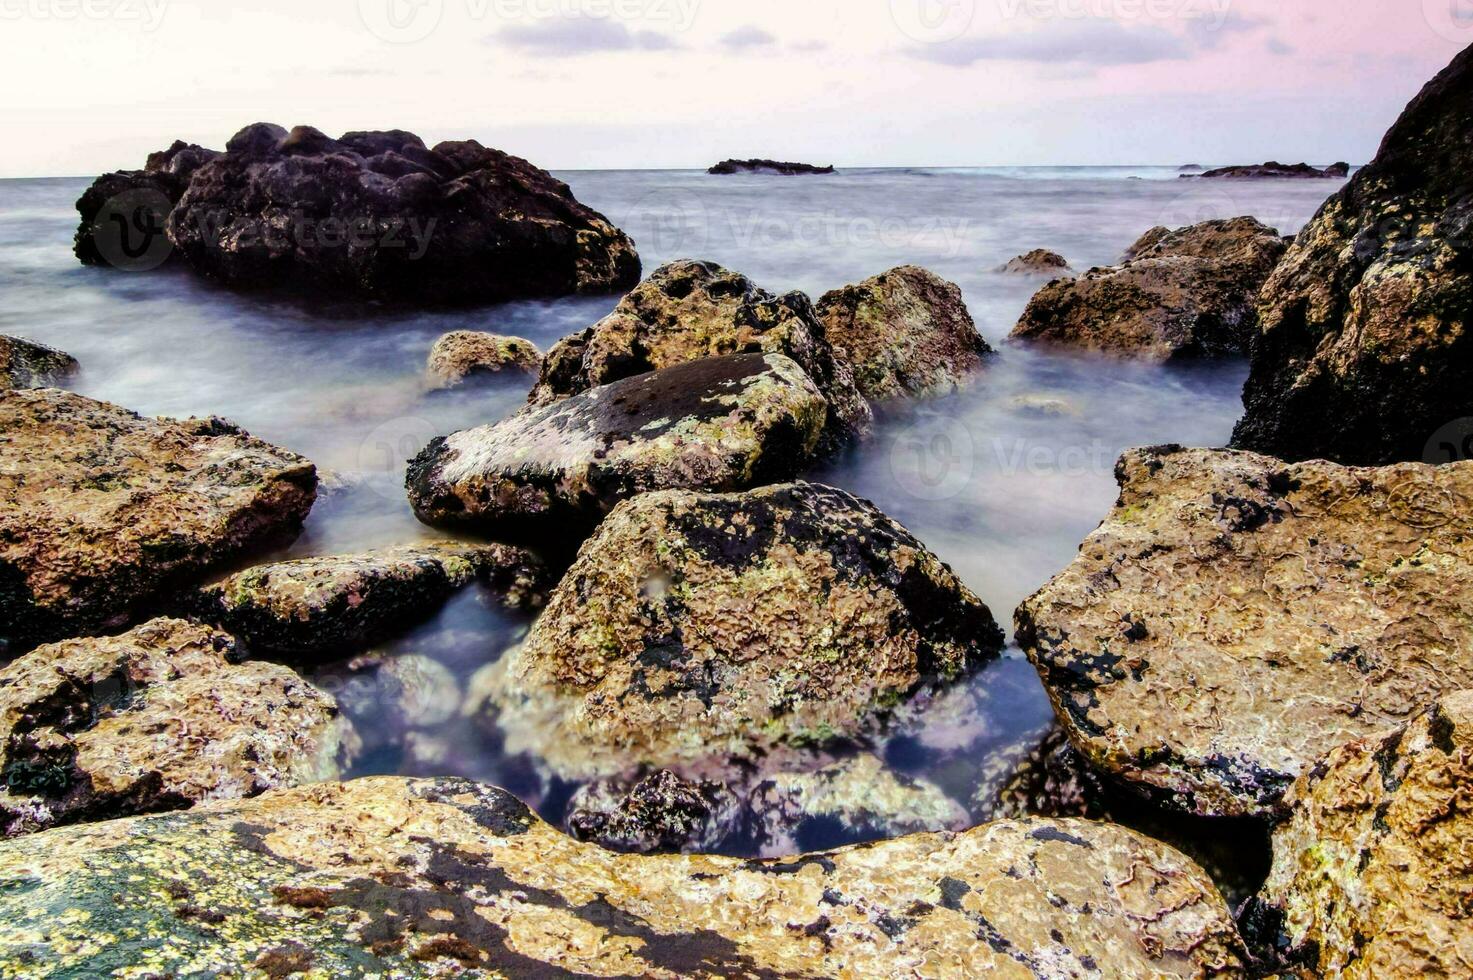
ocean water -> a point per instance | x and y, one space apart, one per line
1003 480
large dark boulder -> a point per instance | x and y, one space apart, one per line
26 364
778 167
1273 168
1365 344
141 201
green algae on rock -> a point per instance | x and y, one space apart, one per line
1371 871
158 718
726 626
316 606
26 364
722 423
904 332
1237 616
425 878
102 509
464 356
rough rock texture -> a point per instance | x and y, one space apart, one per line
1179 294
430 877
1236 616
101 508
903 332
1365 344
1371 873
463 356
26 364
729 167
724 423
163 179
1040 261
704 626
318 606
155 719
686 311
1275 169
661 813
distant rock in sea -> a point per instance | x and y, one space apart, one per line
1191 166
1040 261
1275 169
726 167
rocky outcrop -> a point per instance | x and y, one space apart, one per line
101 509
1236 616
1364 353
317 607
1371 871
1179 294
686 311
903 332
659 814
729 167
727 626
26 364
468 356
419 878
722 423
1275 169
159 718
141 199
1039 262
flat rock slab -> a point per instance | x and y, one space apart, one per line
317 606
158 718
100 509
724 627
724 423
26 364
1235 617
421 878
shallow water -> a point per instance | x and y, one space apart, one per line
1001 490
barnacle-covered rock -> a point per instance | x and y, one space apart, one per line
1039 262
27 364
661 813
464 356
101 509
424 878
1237 616
903 332
156 719
725 626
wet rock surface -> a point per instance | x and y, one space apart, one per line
688 310
1364 351
729 167
723 423
25 364
138 199
1371 871
421 877
903 332
1236 616
1275 169
660 813
468 356
101 509
1038 262
156 719
311 607
719 627
1181 294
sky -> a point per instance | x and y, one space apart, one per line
95 85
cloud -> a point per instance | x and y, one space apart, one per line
744 38
1090 42
1275 46
585 35
809 46
1210 31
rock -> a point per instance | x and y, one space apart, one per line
1364 349
1044 406
1370 872
903 332
419 878
25 364
723 423
724 627
686 311
155 189
159 718
728 167
1236 616
1038 262
313 607
467 355
101 509
661 813
1178 295
1275 169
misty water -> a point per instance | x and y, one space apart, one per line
1003 480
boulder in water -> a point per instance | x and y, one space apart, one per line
466 356
26 364
1039 262
757 166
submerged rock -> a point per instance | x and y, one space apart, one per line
419 878
722 627
315 606
1275 169
392 700
660 813
463 356
26 364
686 311
1040 261
1178 294
1365 348
1236 616
156 719
101 509
729 167
903 332
722 423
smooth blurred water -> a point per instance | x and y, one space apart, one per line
1001 490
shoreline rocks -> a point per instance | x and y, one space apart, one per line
140 199
729 167
27 364
1274 169
1039 262
464 357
